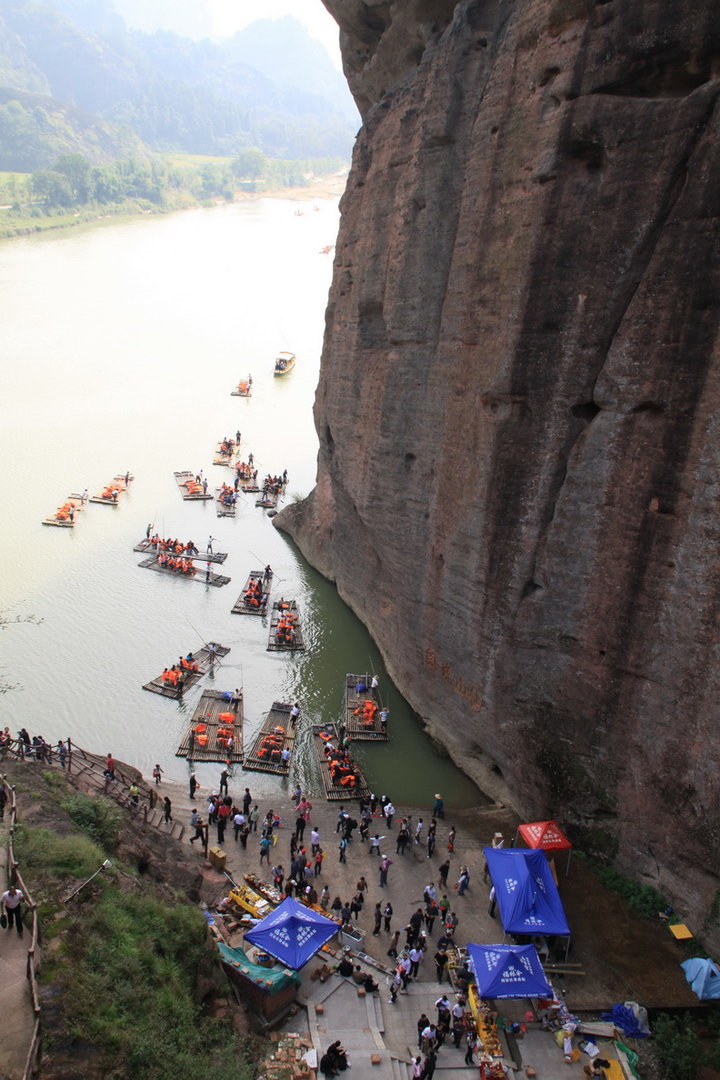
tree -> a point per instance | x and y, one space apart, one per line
249 164
52 187
76 169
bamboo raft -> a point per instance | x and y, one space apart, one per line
336 792
225 457
205 578
276 734
243 388
273 644
205 658
190 490
241 607
269 501
223 509
249 488
213 722
357 713
107 496
61 518
202 556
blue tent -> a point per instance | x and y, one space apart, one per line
292 933
703 976
508 971
526 893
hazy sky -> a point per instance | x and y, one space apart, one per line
221 18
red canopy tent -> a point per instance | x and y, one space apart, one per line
546 835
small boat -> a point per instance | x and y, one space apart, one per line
246 602
215 731
153 545
284 363
243 388
341 776
275 736
362 710
326 249
108 496
174 686
225 451
285 632
192 489
64 516
225 500
180 566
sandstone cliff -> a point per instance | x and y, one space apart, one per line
517 484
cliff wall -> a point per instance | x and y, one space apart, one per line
517 485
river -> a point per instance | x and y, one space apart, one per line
120 346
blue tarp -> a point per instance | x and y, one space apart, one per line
527 896
703 976
625 1019
508 971
292 933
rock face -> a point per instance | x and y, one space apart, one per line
518 406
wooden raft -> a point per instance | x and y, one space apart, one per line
190 490
104 496
205 659
268 501
265 755
203 738
273 644
241 607
355 725
202 556
243 388
61 518
336 792
223 509
202 576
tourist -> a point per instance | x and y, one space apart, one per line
385 865
193 785
11 902
387 915
451 839
157 773
167 810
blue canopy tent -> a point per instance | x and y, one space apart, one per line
703 976
292 933
526 893
508 971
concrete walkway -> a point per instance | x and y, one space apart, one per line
381 1038
18 1018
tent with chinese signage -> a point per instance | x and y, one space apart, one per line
292 933
547 836
526 893
508 971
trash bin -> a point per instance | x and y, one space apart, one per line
217 858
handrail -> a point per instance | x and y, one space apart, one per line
32 1060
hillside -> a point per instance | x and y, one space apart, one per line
170 92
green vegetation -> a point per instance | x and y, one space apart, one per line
643 899
74 191
130 990
127 959
678 1047
100 819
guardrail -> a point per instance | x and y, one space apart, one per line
32 1061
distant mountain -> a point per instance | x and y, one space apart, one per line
172 92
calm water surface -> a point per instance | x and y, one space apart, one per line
119 348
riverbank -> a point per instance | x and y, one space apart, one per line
23 225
